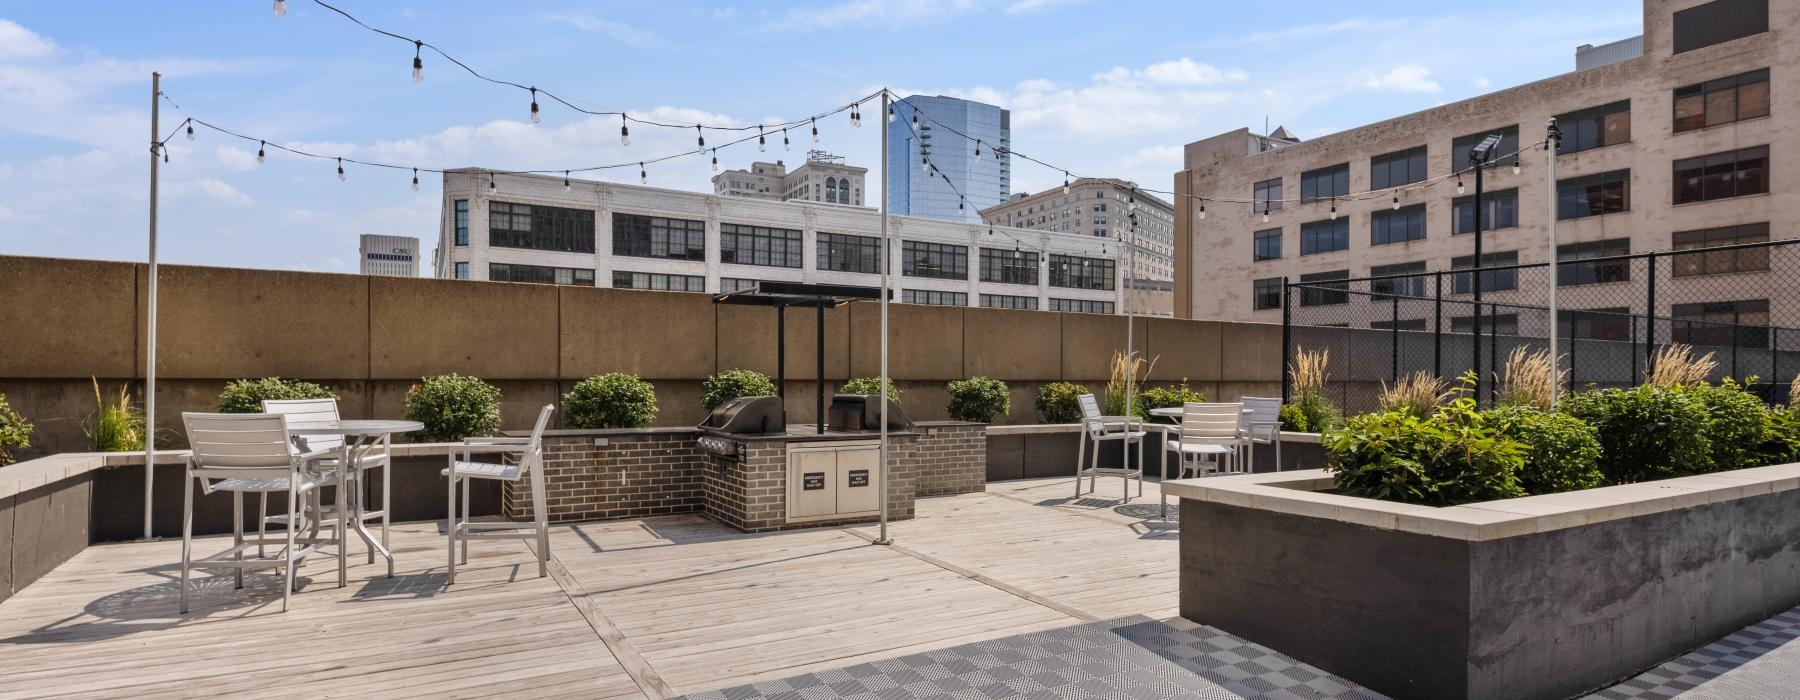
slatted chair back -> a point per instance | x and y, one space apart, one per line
534 455
308 413
1263 410
1215 423
238 445
1090 414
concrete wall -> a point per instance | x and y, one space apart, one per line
370 338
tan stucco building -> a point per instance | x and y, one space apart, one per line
822 178
1696 100
1102 207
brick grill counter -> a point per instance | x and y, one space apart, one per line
661 471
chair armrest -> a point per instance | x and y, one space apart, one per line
316 455
496 441
488 449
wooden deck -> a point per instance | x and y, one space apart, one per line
637 608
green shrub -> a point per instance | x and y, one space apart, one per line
15 431
1058 402
1167 397
870 386
1645 433
1453 456
247 395
614 400
1738 423
116 425
979 399
453 407
1780 443
1561 452
1309 413
734 383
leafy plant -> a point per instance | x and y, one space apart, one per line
1646 433
1059 402
1794 391
1675 366
1561 452
1455 455
1168 397
1417 394
734 383
115 425
1126 374
247 395
1780 443
614 400
1307 410
1529 378
15 431
979 399
1738 423
870 386
453 407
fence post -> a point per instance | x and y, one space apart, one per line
1556 327
1287 324
1650 321
1437 326
1774 354
1493 350
1394 334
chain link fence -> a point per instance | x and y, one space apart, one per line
1614 312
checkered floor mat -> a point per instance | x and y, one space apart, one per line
1128 658
1759 661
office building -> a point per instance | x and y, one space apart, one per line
390 256
932 139
527 228
1671 140
822 178
1104 208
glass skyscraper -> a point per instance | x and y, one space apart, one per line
918 190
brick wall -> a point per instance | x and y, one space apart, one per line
752 495
636 474
952 461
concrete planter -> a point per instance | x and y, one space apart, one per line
1538 597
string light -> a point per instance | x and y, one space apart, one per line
785 144
1459 185
815 129
565 180
491 188
643 175
190 130
280 8
856 116
960 203
1396 202
700 137
1515 167
915 119
415 179
1265 212
1334 209
1065 182
762 143
260 155
341 176
715 163
418 63
977 149
1202 210
535 117
890 114
624 130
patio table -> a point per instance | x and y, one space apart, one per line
360 436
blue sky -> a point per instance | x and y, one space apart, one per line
1102 88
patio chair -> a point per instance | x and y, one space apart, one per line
1096 428
243 453
1262 425
1207 430
303 413
528 464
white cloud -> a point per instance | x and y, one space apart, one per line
7 214
1406 78
1187 72
235 159
19 42
211 191
893 14
618 31
1480 82
1170 96
1154 158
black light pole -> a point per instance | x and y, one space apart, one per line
1479 157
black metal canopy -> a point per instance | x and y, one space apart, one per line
782 295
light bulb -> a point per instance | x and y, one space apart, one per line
1459 186
418 63
1202 211
624 131
415 179
715 165
565 180
855 116
491 187
977 150
960 202
1515 167
643 175
762 141
1396 202
925 164
260 155
915 120
1065 182
890 114
535 117
190 132
1265 215
815 129
785 144
700 137
1334 212
280 8
341 176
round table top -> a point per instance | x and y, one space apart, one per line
1175 411
359 427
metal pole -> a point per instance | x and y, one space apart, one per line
781 357
1394 336
1130 349
1553 139
1475 280
886 260
1650 321
1437 325
819 400
1287 334
150 339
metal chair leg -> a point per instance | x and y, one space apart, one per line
343 532
262 524
1080 460
237 535
466 488
450 525
287 588
187 536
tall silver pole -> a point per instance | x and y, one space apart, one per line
886 261
150 339
1130 335
1551 137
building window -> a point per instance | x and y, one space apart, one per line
936 260
1405 324
540 228
1325 236
1009 266
728 285
462 222
1265 293
1722 101
1491 280
1008 301
1599 272
840 252
659 282
759 245
1613 323
1593 195
1499 210
501 272
1461 145
1396 169
1325 288
1607 125
1081 306
1721 323
1325 183
1721 262
1076 272
658 237
462 270
1266 245
1718 22
933 297
1412 285
831 190
1722 175
1398 225
1267 194
1491 324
